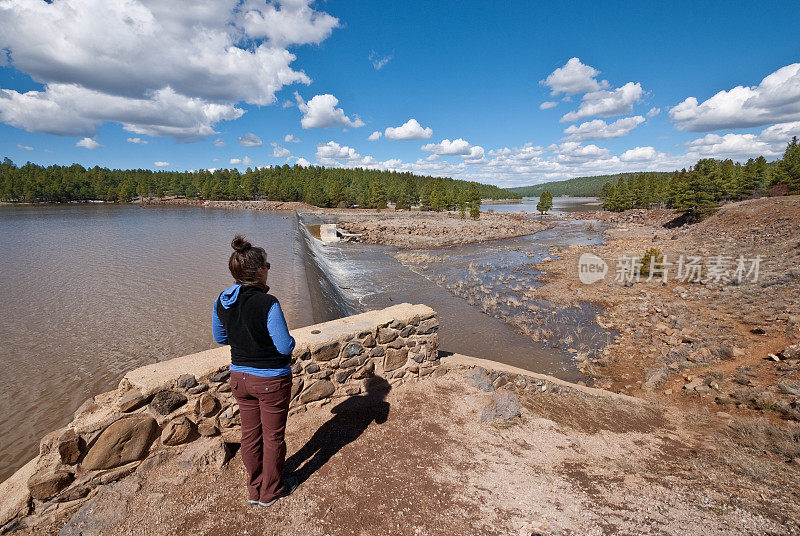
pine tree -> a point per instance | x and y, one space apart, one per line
545 202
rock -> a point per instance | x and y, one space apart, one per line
69 447
48 482
74 493
364 371
503 405
165 402
205 453
132 400
789 389
312 368
480 380
224 388
187 381
200 389
352 349
297 386
325 351
234 435
386 335
107 508
221 376
207 405
118 473
791 352
342 375
207 428
395 358
352 362
429 326
378 351
317 391
177 431
408 331
124 441
15 498
369 341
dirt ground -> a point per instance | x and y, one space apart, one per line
715 345
419 463
425 230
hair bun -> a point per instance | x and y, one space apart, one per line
240 244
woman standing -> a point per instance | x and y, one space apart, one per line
251 321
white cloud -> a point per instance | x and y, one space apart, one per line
446 147
410 130
246 161
770 142
279 152
476 155
599 129
321 112
607 102
573 78
250 140
334 151
167 69
161 164
653 112
289 138
71 110
137 140
88 143
639 154
375 136
24 147
547 105
219 142
379 61
303 162
775 100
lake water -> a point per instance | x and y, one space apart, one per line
92 291
561 205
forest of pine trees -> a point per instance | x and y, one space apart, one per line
316 185
706 184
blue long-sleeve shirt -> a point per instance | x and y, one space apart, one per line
276 327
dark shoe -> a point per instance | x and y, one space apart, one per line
289 485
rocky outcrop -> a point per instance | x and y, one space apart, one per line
185 407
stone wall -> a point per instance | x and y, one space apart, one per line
187 402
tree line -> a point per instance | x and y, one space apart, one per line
706 184
315 185
577 187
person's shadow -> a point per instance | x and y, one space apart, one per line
350 419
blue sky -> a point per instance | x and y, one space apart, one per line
472 75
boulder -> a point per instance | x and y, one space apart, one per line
378 351
165 402
124 441
107 508
502 405
206 452
46 483
15 497
429 326
369 341
364 371
69 447
177 431
221 376
386 335
342 375
207 428
395 358
187 381
207 405
132 400
325 351
317 391
297 386
352 349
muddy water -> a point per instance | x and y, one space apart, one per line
90 292
479 314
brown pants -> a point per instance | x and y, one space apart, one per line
263 406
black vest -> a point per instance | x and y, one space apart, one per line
245 322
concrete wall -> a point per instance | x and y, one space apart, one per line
174 403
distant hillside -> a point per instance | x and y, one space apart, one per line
577 187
